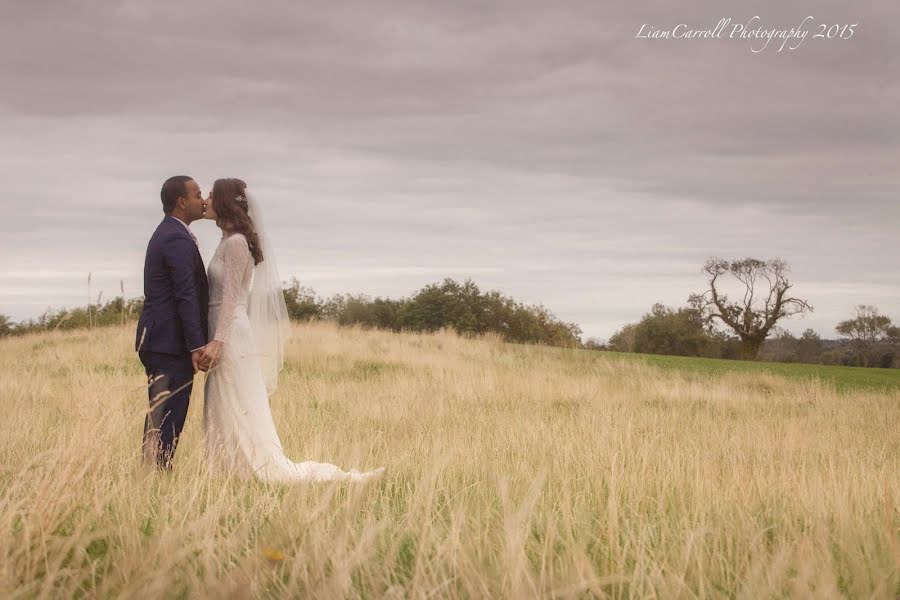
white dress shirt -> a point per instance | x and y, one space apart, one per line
193 237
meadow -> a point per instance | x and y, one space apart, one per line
513 471
842 378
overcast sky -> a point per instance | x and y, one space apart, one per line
538 147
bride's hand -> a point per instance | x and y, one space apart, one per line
211 354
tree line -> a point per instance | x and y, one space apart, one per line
717 326
869 339
712 324
460 306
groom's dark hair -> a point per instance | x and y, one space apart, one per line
172 190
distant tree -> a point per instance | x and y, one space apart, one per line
809 347
781 346
873 338
594 343
500 314
623 340
667 331
448 303
7 326
302 302
385 313
470 312
764 302
868 326
360 309
554 331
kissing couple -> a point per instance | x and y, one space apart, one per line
232 324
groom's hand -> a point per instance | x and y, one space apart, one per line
211 353
196 355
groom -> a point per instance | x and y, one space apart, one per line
172 329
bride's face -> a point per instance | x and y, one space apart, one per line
210 207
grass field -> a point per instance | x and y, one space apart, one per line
513 471
842 378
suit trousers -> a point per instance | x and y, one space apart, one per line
170 379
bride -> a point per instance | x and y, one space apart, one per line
248 324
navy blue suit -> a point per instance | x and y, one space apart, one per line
173 322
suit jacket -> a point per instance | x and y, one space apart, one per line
174 319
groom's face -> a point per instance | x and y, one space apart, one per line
194 205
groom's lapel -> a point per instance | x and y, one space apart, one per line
173 222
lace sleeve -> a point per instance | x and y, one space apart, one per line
236 258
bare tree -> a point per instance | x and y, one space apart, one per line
764 300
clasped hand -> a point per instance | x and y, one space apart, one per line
206 357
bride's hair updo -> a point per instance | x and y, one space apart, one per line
229 196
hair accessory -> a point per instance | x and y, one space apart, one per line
242 202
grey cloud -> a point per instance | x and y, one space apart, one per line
538 145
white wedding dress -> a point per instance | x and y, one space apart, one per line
239 432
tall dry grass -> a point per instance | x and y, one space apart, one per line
512 471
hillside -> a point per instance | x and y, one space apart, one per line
512 470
